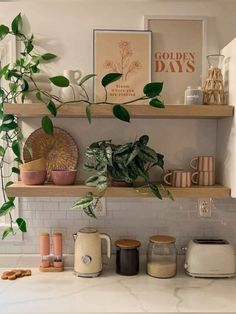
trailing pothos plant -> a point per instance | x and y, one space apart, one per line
127 163
20 78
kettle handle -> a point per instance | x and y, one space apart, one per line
108 239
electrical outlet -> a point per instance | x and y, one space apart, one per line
100 210
204 207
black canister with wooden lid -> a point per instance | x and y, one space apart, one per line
127 257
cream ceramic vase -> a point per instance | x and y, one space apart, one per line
88 252
72 92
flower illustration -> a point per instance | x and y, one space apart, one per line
125 66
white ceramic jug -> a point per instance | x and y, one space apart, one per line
71 92
88 252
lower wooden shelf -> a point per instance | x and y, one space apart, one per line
19 189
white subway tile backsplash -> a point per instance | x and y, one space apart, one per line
126 217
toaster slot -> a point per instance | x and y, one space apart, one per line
210 241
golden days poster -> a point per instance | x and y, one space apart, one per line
177 56
125 52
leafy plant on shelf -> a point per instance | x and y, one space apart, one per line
21 81
126 163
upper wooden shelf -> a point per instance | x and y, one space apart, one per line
50 190
136 111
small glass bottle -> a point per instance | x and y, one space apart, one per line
44 249
127 257
57 250
161 256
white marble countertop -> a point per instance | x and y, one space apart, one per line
65 293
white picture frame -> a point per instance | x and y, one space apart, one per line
154 22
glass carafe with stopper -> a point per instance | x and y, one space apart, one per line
214 89
161 256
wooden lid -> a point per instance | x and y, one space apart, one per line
162 239
127 243
57 234
44 234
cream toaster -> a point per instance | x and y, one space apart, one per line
210 258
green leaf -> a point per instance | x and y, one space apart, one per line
155 190
48 56
8 118
153 89
121 113
60 81
89 211
39 96
4 70
6 207
16 24
88 113
84 202
16 148
144 139
86 78
52 108
91 181
88 167
29 46
110 78
156 103
133 154
9 126
18 160
21 224
4 30
24 86
35 69
7 232
102 183
47 125
148 154
2 151
8 184
15 170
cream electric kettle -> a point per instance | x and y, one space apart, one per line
88 252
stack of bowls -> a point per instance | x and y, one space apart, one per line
34 172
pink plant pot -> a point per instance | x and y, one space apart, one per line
63 177
33 177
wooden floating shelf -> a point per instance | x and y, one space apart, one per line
77 110
18 189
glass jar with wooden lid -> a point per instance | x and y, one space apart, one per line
161 256
127 257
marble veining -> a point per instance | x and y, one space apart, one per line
65 293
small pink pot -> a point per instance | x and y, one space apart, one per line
63 177
33 177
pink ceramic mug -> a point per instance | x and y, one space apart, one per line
205 178
178 178
203 163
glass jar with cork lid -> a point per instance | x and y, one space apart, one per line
161 256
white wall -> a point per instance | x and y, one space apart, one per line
65 28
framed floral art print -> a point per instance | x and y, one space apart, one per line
125 52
